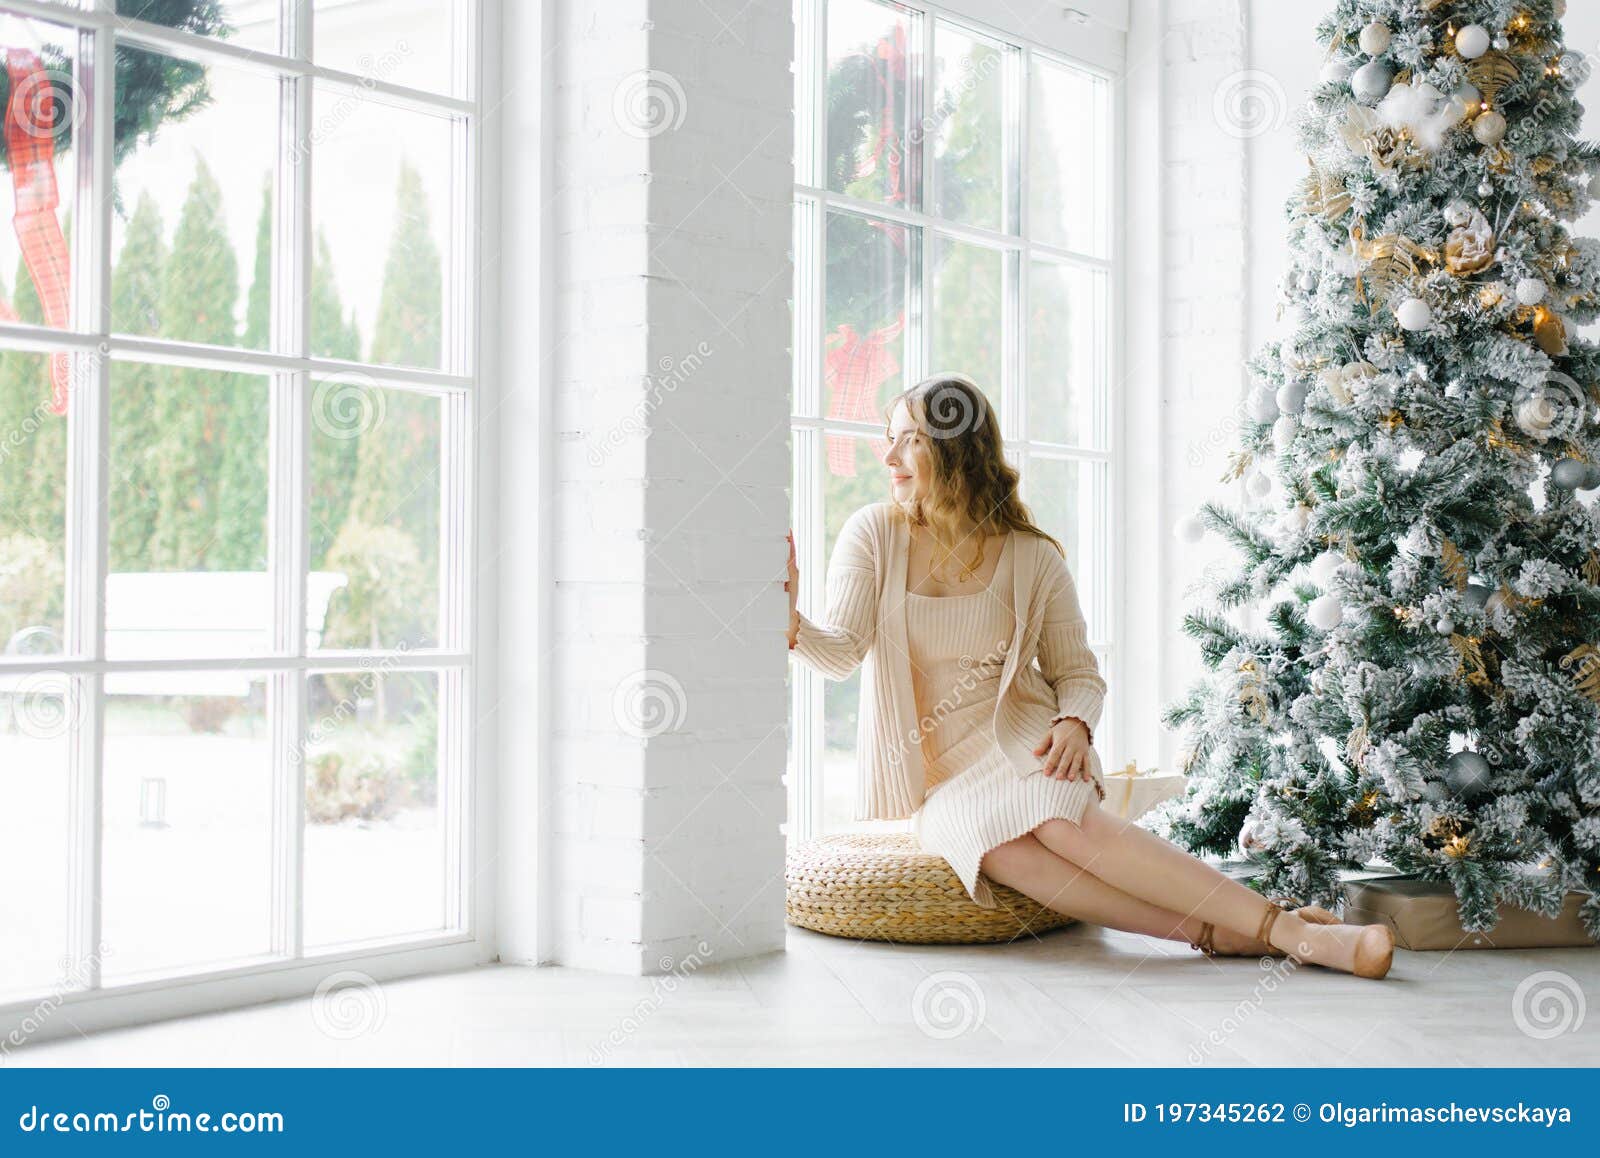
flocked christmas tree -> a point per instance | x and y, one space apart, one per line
1405 666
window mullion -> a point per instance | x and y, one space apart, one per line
287 481
88 437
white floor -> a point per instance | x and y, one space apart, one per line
1075 997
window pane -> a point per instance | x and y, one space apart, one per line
868 61
187 877
37 715
865 341
853 478
33 507
188 514
1068 366
380 208
374 837
967 128
1069 158
192 232
1069 500
408 42
968 309
374 517
251 23
38 178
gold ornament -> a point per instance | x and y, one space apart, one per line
1550 332
1470 247
1472 667
1388 259
1357 745
1591 569
1492 294
1583 662
1491 72
1456 846
1454 564
1393 420
1325 194
1251 694
1366 135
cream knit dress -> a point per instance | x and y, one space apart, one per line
975 799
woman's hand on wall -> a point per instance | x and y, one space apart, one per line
792 586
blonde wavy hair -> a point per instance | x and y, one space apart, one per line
971 479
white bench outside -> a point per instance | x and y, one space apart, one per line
166 615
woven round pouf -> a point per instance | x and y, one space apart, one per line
883 887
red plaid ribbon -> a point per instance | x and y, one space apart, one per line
31 127
855 367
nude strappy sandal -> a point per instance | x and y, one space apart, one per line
1316 914
1374 948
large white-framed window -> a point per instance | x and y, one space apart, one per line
239 379
955 210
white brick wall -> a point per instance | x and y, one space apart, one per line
1188 215
670 500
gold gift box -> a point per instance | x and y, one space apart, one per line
1424 915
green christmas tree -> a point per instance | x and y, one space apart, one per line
136 309
395 485
1418 687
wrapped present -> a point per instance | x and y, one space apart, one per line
1130 793
1424 915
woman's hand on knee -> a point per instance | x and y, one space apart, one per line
1065 749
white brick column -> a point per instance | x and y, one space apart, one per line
668 360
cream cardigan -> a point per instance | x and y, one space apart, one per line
866 627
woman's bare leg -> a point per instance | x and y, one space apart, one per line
1033 870
1144 865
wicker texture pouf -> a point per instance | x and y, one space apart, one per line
883 887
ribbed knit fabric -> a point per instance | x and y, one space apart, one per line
975 799
1049 662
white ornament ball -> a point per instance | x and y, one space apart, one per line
1372 81
1291 397
1294 520
1283 432
1473 41
1486 188
1458 212
1531 291
1446 626
1335 72
1263 406
1466 101
1259 484
1308 281
1490 128
1375 38
1414 314
1324 567
1502 42
1325 612
1191 529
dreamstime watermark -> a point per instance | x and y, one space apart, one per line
1553 407
374 70
948 1004
23 432
75 975
46 705
1275 970
969 77
349 1004
649 703
673 974
649 102
1249 103
347 405
972 674
674 372
46 104
348 705
1548 1004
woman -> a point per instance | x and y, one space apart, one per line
980 697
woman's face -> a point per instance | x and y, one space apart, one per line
908 461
